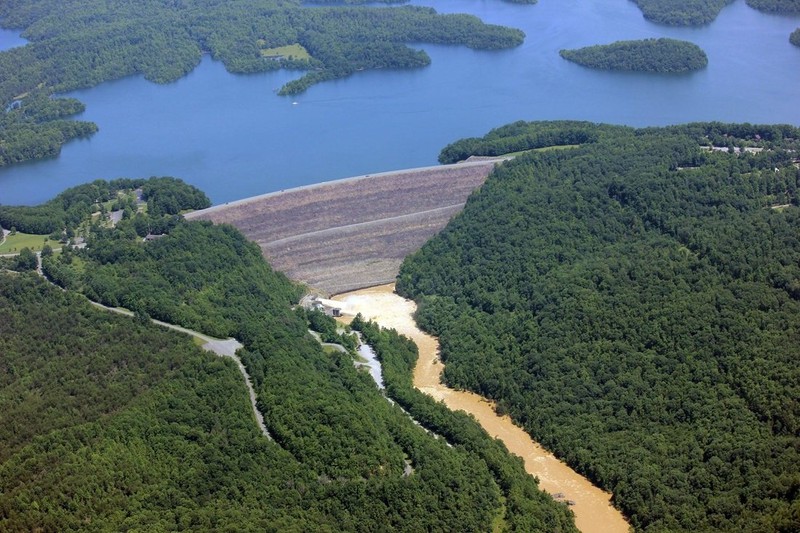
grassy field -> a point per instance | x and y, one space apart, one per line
18 241
543 149
292 51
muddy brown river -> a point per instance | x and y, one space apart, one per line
593 510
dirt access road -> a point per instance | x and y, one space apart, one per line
221 347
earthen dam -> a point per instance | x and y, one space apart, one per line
347 234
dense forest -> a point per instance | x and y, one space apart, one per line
35 127
634 303
79 43
519 137
681 12
645 55
136 428
398 355
696 12
776 6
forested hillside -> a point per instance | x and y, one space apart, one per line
634 303
646 55
136 428
81 43
112 424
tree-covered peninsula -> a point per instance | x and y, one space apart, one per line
681 12
633 301
76 44
788 7
37 127
645 55
113 423
697 12
794 38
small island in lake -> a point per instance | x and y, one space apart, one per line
681 12
794 38
646 55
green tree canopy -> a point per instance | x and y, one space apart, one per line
646 55
634 304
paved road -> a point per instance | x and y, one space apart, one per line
221 347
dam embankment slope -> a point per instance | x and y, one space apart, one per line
352 233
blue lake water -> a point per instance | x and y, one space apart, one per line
233 137
10 39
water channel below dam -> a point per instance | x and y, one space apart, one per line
593 510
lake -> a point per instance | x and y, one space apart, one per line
10 39
233 137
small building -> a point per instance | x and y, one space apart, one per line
329 307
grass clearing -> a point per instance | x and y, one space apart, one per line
78 264
499 524
543 149
292 51
18 241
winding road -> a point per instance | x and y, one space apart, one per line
221 347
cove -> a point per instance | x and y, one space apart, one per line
10 39
233 137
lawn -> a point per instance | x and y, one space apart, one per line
543 149
292 51
18 241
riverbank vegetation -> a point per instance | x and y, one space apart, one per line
164 438
528 508
681 12
645 55
634 304
74 45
